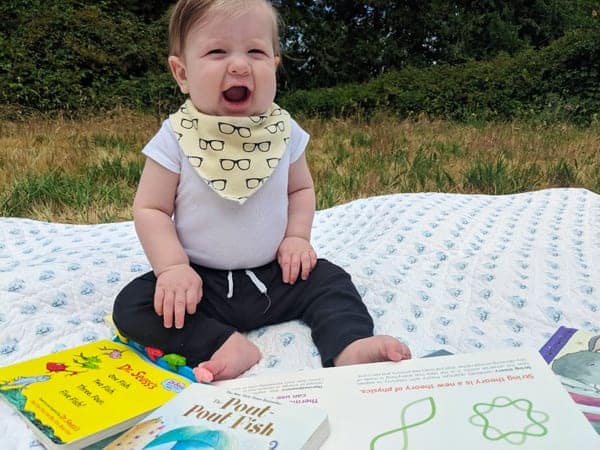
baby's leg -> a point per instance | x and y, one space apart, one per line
203 333
373 349
341 326
232 359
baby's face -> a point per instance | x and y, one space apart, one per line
229 63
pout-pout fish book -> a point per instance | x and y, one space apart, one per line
207 417
82 395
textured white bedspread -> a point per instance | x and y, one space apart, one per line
460 272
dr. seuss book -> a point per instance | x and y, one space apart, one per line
574 355
81 395
206 417
500 400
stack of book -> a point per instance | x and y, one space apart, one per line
87 394
487 400
79 396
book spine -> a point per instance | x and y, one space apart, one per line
558 340
161 360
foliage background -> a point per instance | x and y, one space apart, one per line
464 60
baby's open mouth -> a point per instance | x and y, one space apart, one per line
236 94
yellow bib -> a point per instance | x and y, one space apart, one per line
234 155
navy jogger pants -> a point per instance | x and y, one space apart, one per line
327 302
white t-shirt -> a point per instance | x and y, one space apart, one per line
220 233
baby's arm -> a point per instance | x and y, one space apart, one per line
178 286
295 255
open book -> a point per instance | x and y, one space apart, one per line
79 396
206 417
488 400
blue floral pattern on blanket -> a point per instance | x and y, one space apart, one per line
460 272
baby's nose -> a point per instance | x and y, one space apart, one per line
239 66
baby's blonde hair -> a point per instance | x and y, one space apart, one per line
186 13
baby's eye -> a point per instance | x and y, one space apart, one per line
215 51
257 50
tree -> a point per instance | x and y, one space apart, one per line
328 42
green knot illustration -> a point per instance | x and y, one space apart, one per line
533 420
421 412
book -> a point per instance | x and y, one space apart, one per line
207 417
574 356
496 400
81 395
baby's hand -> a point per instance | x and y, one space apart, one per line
178 289
296 256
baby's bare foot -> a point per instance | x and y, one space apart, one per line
373 349
232 359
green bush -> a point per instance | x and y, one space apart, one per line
552 84
73 57
66 55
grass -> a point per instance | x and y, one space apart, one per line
62 170
358 158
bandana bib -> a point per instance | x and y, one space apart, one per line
235 156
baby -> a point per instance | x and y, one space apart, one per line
224 210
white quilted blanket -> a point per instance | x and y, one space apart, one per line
460 272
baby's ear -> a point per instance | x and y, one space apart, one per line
179 73
277 61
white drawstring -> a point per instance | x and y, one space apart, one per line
259 284
230 284
255 280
